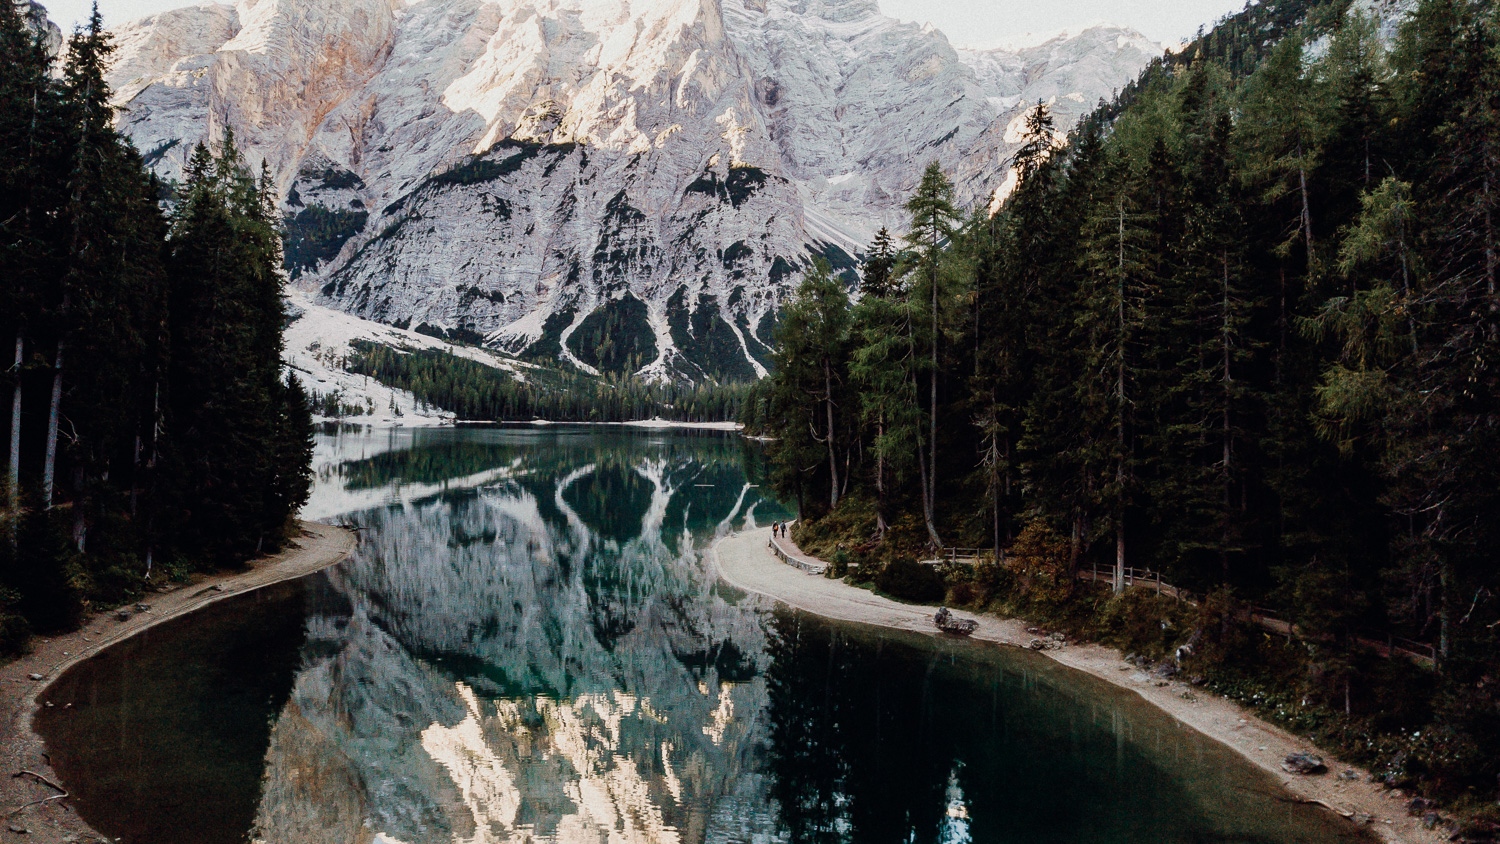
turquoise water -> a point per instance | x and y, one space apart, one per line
529 645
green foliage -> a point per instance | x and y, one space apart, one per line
810 377
909 580
504 159
475 391
315 235
123 369
706 341
734 189
1241 330
616 337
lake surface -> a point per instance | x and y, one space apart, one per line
530 645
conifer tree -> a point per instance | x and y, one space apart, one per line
935 221
27 118
811 377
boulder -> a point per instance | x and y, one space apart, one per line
1303 763
1419 806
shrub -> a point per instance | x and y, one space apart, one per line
838 567
909 580
1039 565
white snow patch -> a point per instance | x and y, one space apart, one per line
320 339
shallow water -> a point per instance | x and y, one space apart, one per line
529 645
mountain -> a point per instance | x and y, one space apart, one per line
630 186
35 17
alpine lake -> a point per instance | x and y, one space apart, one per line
530 644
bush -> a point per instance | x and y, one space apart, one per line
838 567
15 632
909 580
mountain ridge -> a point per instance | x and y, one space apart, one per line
630 188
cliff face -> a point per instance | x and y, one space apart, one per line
629 186
36 17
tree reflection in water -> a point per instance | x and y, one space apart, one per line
530 645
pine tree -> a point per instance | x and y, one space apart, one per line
877 274
811 377
27 127
935 221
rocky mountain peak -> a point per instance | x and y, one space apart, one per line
630 186
36 17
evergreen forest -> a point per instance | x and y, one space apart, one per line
1239 328
150 429
477 392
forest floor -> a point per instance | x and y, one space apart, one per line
22 816
745 560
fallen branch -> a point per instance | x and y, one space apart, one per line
64 793
19 809
40 778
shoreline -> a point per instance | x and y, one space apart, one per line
21 749
744 561
430 422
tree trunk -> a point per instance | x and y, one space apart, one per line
1490 259
1120 412
1227 429
1445 577
49 464
13 482
880 523
1306 212
1075 540
925 476
931 497
833 460
14 488
80 519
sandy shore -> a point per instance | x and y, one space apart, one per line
54 822
745 561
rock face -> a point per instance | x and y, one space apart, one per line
630 186
35 17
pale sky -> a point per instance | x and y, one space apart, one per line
965 22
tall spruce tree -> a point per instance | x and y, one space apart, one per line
935 221
811 379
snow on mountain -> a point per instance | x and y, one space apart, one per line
318 340
1071 72
624 185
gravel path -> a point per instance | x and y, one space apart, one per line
54 822
745 560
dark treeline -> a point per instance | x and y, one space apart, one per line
149 427
1244 331
475 391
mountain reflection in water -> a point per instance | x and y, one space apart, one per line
529 645
534 646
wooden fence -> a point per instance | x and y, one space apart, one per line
1386 644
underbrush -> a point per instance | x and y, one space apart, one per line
1413 728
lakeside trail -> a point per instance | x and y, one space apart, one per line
22 816
745 560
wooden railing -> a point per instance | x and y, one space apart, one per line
967 556
1386 644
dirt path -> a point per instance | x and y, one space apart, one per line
22 818
745 560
